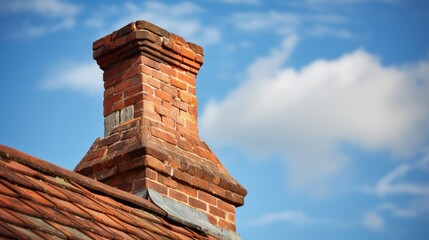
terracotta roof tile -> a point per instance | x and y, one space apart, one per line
39 200
6 190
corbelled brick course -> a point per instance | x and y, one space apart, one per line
151 73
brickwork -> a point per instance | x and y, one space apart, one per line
157 145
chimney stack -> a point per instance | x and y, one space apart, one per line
151 145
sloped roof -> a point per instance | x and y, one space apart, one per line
39 200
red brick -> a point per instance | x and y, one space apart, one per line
133 90
196 48
152 116
193 110
168 137
184 144
226 225
206 197
178 39
192 90
154 163
200 183
167 181
188 98
197 203
170 90
156 186
151 81
187 190
179 104
163 95
112 99
182 176
230 217
188 53
151 63
122 85
100 42
177 83
186 78
192 64
199 59
161 76
217 212
226 206
177 195
133 99
168 121
168 70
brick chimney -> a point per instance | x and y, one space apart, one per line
151 142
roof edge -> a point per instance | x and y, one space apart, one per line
51 169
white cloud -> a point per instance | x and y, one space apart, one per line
397 211
48 8
267 66
181 18
54 15
390 183
344 2
296 217
83 77
285 23
376 219
243 2
305 115
373 221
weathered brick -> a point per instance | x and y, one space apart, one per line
151 27
226 225
168 137
153 185
217 211
225 206
186 78
188 98
196 48
100 42
168 70
172 91
177 195
197 203
177 83
188 53
163 95
190 191
208 198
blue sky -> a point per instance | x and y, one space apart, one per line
319 107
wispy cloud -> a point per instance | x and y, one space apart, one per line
376 219
373 220
239 2
390 184
284 23
53 15
47 8
296 217
184 18
81 77
304 115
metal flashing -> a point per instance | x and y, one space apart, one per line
186 215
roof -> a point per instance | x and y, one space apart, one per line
39 200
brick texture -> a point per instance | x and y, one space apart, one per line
159 147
